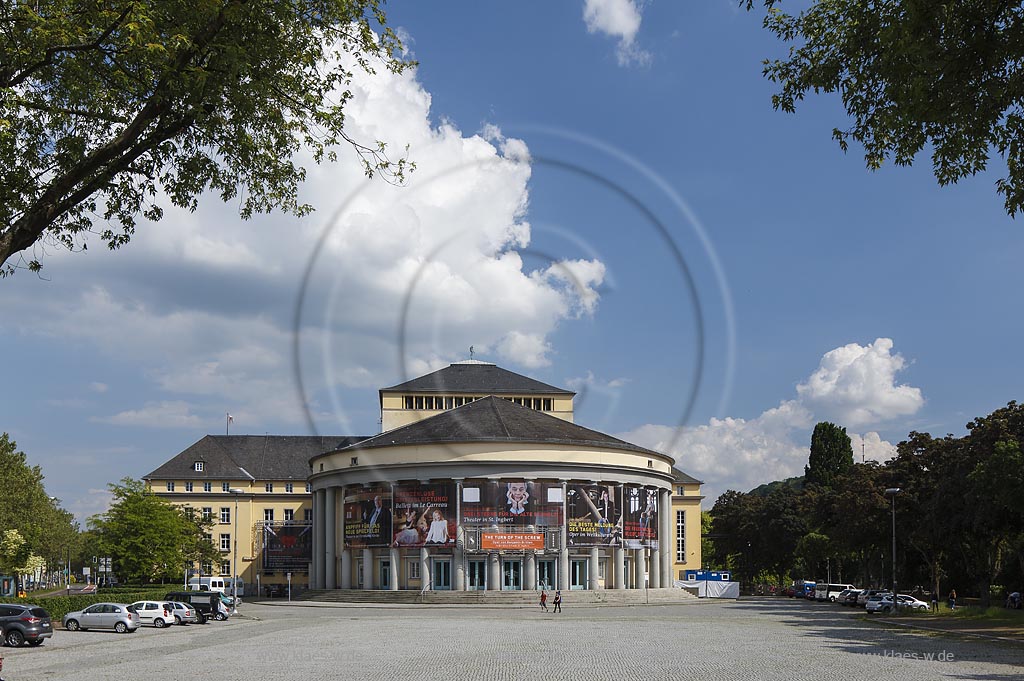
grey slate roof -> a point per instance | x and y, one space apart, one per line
683 477
494 419
250 457
476 377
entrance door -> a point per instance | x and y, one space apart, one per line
477 575
512 575
442 575
578 573
546 574
385 574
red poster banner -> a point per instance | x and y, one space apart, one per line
517 541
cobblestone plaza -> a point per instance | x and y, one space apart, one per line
718 640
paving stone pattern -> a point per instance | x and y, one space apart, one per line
753 640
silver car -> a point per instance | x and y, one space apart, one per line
117 616
184 613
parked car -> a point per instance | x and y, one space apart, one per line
207 602
851 598
862 599
841 596
24 624
158 613
912 603
117 616
184 613
885 604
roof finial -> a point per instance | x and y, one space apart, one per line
471 352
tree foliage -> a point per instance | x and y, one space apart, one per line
148 537
831 454
45 527
941 76
106 105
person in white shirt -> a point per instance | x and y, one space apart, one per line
438 533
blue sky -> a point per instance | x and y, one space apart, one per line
562 153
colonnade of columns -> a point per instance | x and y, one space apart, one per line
650 567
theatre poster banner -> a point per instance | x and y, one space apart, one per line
640 517
287 547
512 505
368 517
424 514
594 515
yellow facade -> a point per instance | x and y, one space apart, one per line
255 504
686 555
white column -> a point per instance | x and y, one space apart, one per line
368 579
460 542
656 568
425 576
592 568
640 563
331 537
319 539
346 569
530 572
393 572
668 547
563 553
493 572
345 581
620 567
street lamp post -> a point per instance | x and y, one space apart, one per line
892 492
234 560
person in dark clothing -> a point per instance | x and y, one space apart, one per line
558 602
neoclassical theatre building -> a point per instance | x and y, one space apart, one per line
480 480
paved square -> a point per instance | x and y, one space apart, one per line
767 639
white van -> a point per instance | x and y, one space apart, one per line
221 584
829 592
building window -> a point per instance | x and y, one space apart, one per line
269 487
225 487
188 486
200 466
681 537
225 568
414 569
289 515
208 537
207 512
207 568
289 487
225 542
207 486
419 401
268 515
225 515
170 486
408 401
307 514
309 487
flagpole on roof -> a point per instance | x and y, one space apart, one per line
227 423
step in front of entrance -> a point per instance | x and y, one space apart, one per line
500 598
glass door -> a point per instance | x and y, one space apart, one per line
442 575
385 574
477 575
578 573
546 574
512 575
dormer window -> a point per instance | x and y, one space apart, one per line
200 466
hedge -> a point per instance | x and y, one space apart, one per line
58 606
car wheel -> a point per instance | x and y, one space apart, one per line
886 610
221 617
15 638
120 627
177 620
72 625
36 642
159 623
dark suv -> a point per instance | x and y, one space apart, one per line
21 623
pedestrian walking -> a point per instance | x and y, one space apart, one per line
558 602
952 599
544 600
935 602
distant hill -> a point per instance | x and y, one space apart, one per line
764 490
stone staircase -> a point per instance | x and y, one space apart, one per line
501 598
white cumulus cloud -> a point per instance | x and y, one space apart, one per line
733 453
617 19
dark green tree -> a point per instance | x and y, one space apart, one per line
147 537
940 77
107 105
831 454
